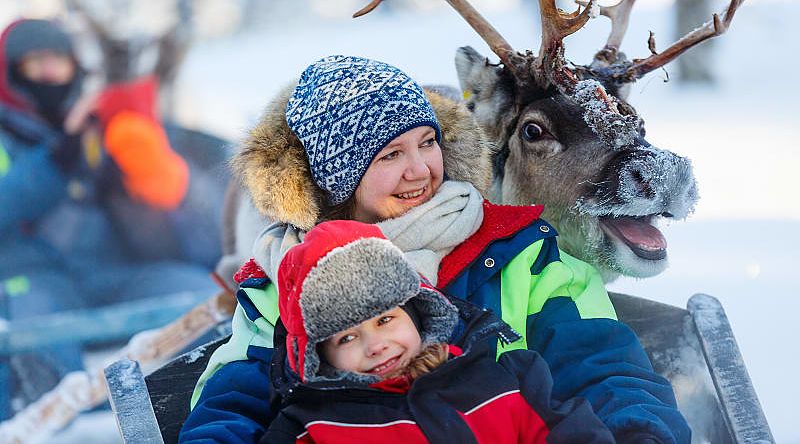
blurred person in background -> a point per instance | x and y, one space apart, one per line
93 200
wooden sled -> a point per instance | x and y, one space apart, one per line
694 348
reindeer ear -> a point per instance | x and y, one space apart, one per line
474 72
486 88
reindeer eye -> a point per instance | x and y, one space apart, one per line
532 132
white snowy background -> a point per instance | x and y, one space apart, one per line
741 244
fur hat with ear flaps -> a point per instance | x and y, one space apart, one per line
273 167
344 273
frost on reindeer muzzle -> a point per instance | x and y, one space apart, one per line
635 189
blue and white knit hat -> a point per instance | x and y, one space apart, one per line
345 110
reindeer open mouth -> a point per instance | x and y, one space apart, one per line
638 233
637 187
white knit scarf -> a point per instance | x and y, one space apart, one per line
427 233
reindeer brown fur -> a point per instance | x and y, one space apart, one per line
565 137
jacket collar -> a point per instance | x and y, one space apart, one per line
25 126
499 221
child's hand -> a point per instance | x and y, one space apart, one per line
78 117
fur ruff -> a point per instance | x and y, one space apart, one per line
272 164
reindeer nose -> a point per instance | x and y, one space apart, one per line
640 181
660 181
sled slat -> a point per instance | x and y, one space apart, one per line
130 403
111 323
735 390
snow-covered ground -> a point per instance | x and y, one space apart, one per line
742 243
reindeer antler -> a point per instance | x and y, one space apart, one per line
714 27
367 9
557 24
117 53
619 15
510 58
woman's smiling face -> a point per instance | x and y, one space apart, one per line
404 174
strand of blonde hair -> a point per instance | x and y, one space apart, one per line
428 359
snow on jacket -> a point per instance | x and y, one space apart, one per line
511 265
470 398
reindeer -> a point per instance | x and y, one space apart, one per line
565 136
122 55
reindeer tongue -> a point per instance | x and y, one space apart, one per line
645 240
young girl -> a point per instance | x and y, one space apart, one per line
364 357
358 139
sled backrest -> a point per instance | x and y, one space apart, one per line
694 349
171 388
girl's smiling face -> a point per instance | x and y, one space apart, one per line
380 346
404 174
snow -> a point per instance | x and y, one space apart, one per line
141 342
129 376
613 128
193 356
594 12
66 398
740 245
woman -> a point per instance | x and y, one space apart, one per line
358 139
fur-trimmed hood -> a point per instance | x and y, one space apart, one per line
273 167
